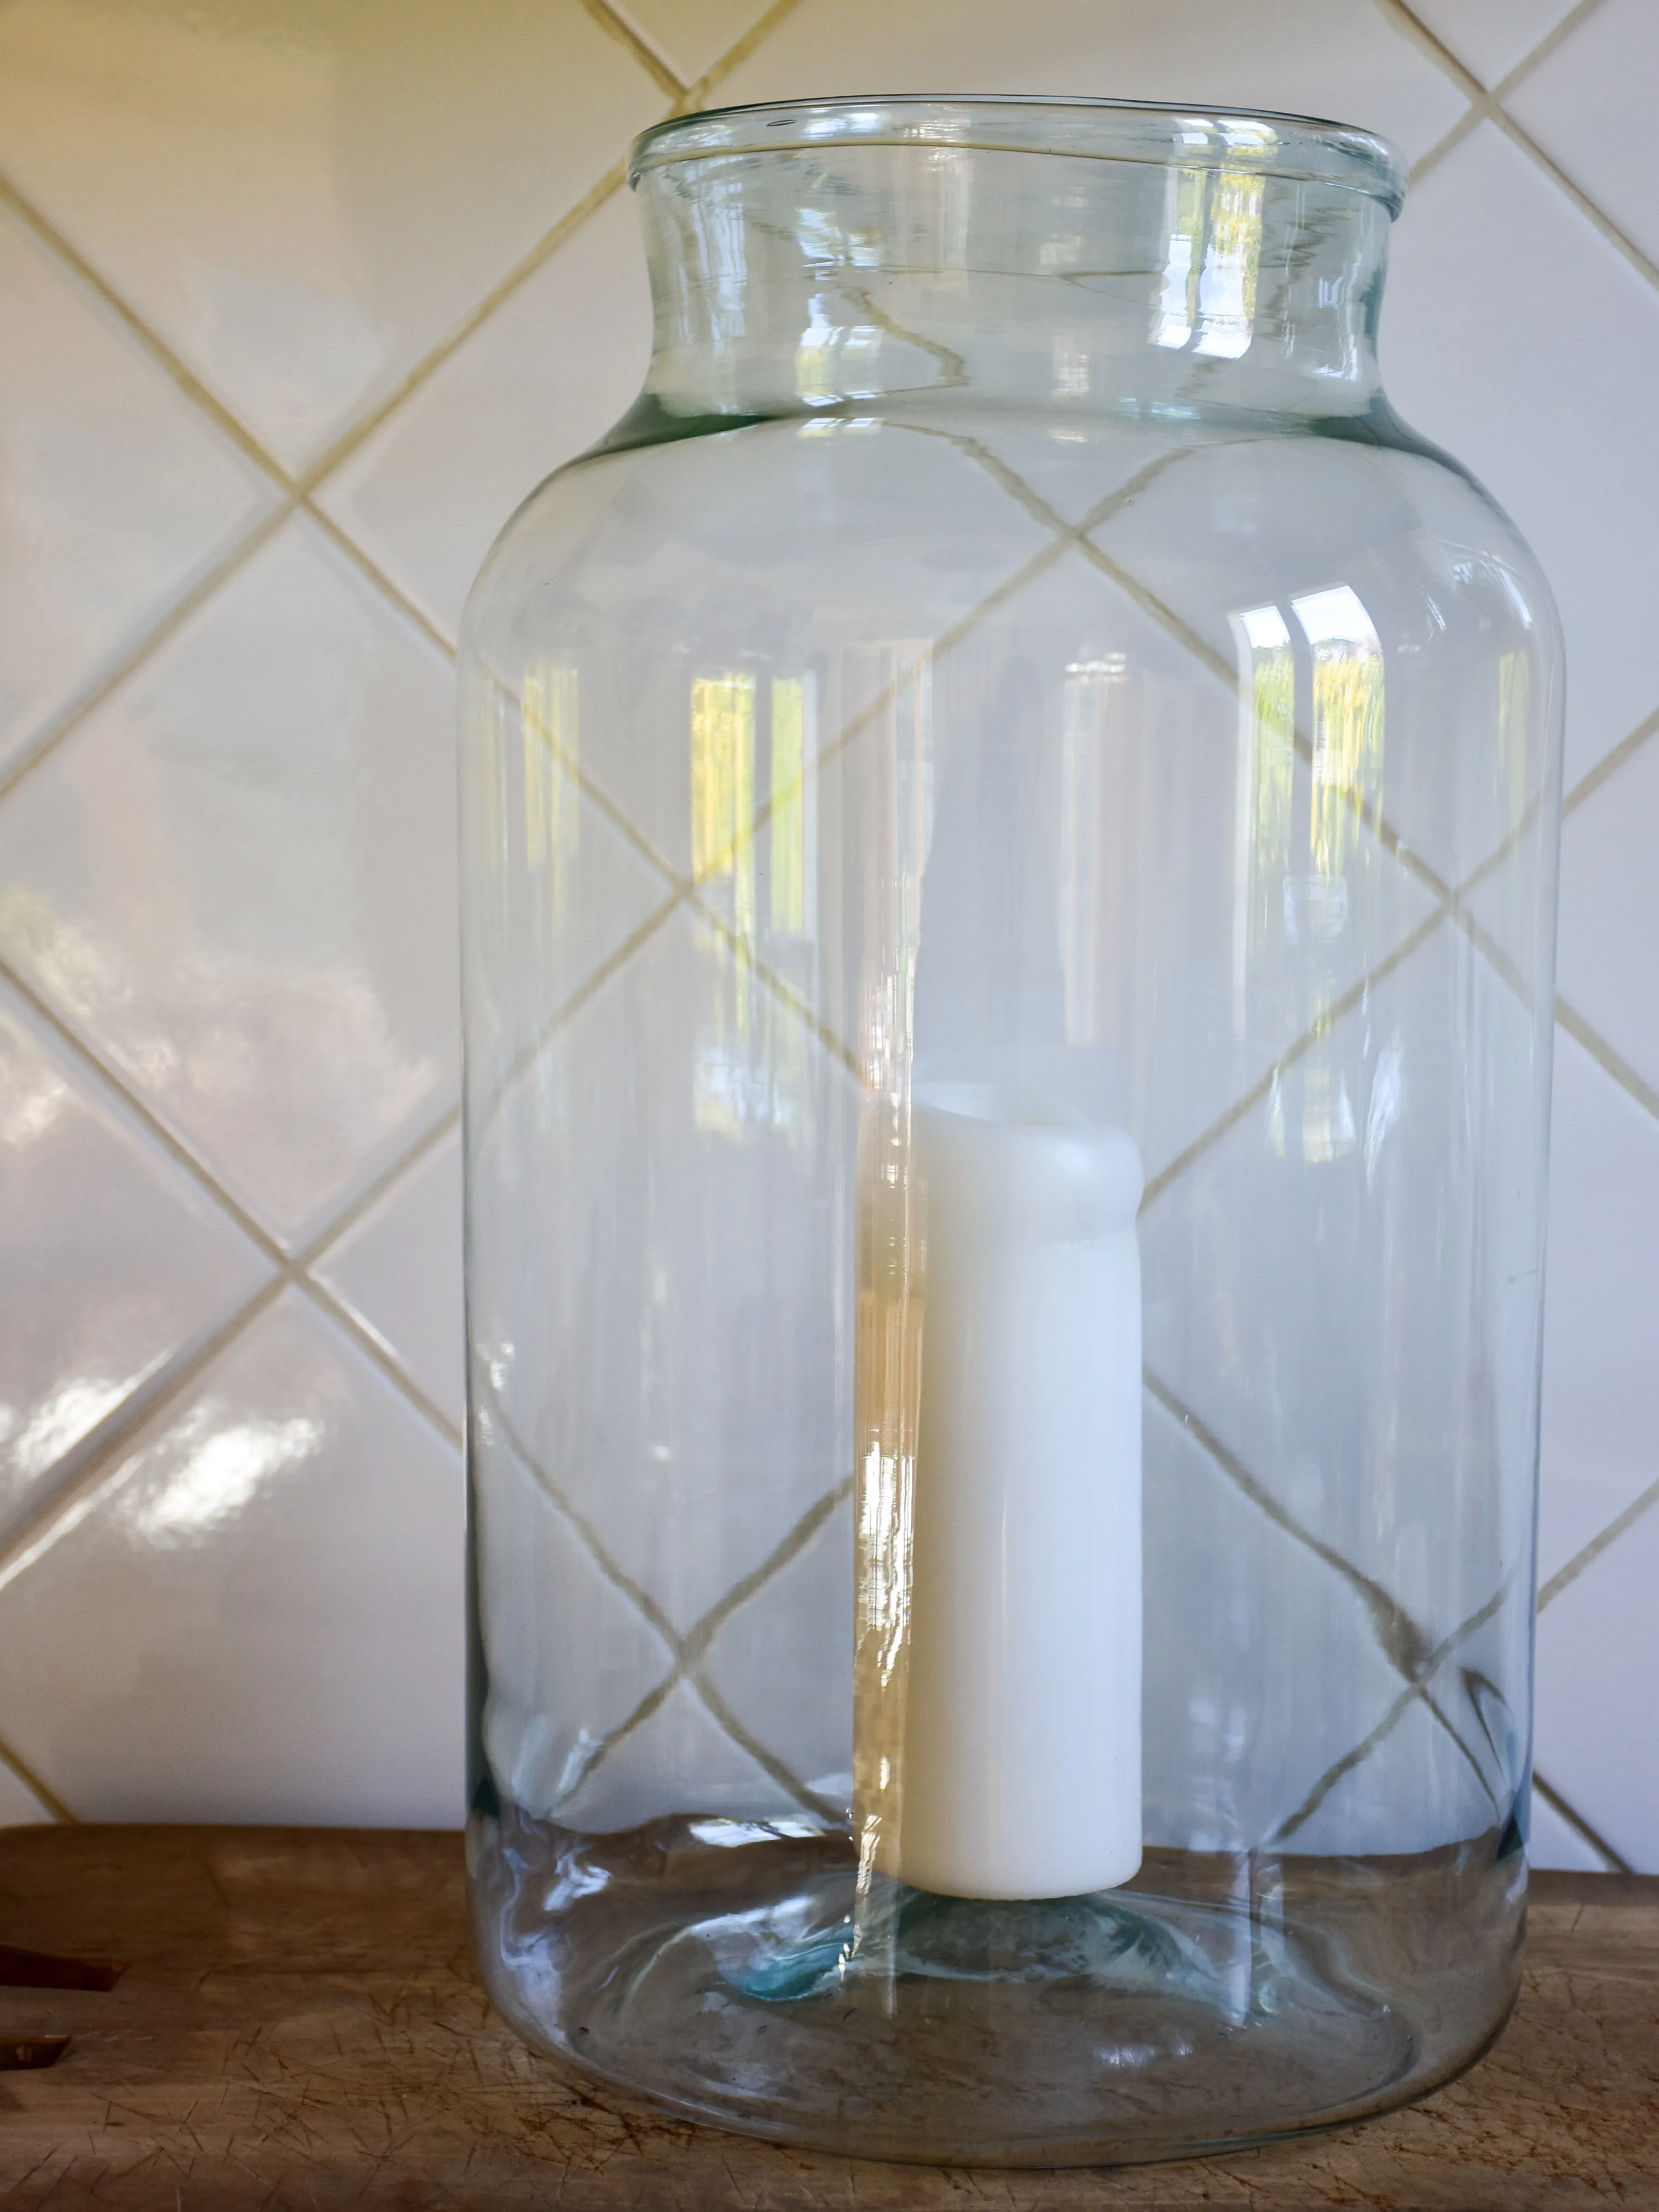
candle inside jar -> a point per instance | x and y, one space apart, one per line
1006 1748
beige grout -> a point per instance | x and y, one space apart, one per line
1409 1696
633 40
357 432
377 1353
1402 1640
31 1782
1609 1061
689 1649
1615 233
1590 783
1597 1842
372 571
127 663
1483 98
1488 107
612 181
132 1102
1565 1577
149 339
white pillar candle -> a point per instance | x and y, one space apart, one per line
1021 1735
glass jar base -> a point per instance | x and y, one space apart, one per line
733 1971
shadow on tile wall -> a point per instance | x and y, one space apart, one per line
300 300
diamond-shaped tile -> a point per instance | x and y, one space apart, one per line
116 492
1589 106
538 382
1517 338
1598 1687
568 1655
235 880
398 1268
660 1236
256 1615
128 1262
1491 36
1610 911
1344 1289
782 1662
302 215
1313 57
1600 1446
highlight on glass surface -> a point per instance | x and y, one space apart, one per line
1009 816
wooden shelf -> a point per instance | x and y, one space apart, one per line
299 2025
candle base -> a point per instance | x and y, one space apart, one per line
732 1970
897 1931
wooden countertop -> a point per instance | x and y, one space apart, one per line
299 2025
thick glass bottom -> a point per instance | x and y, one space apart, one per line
735 1972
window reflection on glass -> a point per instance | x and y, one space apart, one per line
1226 288
791 707
730 1083
754 857
552 755
1265 787
1347 722
1177 307
1293 856
1088 881
1212 221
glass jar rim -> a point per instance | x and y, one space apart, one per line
1303 148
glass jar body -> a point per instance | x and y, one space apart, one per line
899 831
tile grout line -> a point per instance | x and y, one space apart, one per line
1401 1639
1564 1577
1615 233
159 352
34 1532
133 1104
1611 1062
359 432
307 480
82 1465
1609 764
1487 106
633 40
1598 1843
1417 1688
1483 98
31 1781
370 1347
133 657
687 1650
611 181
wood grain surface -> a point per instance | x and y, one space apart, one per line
300 2024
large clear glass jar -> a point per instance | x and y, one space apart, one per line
1010 828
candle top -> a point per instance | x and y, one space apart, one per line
1015 1161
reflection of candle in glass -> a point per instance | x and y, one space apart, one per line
1019 1751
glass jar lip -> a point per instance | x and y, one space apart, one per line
1302 148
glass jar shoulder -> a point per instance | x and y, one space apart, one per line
910 518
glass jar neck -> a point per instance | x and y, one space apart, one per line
875 276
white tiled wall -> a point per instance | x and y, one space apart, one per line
295 304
